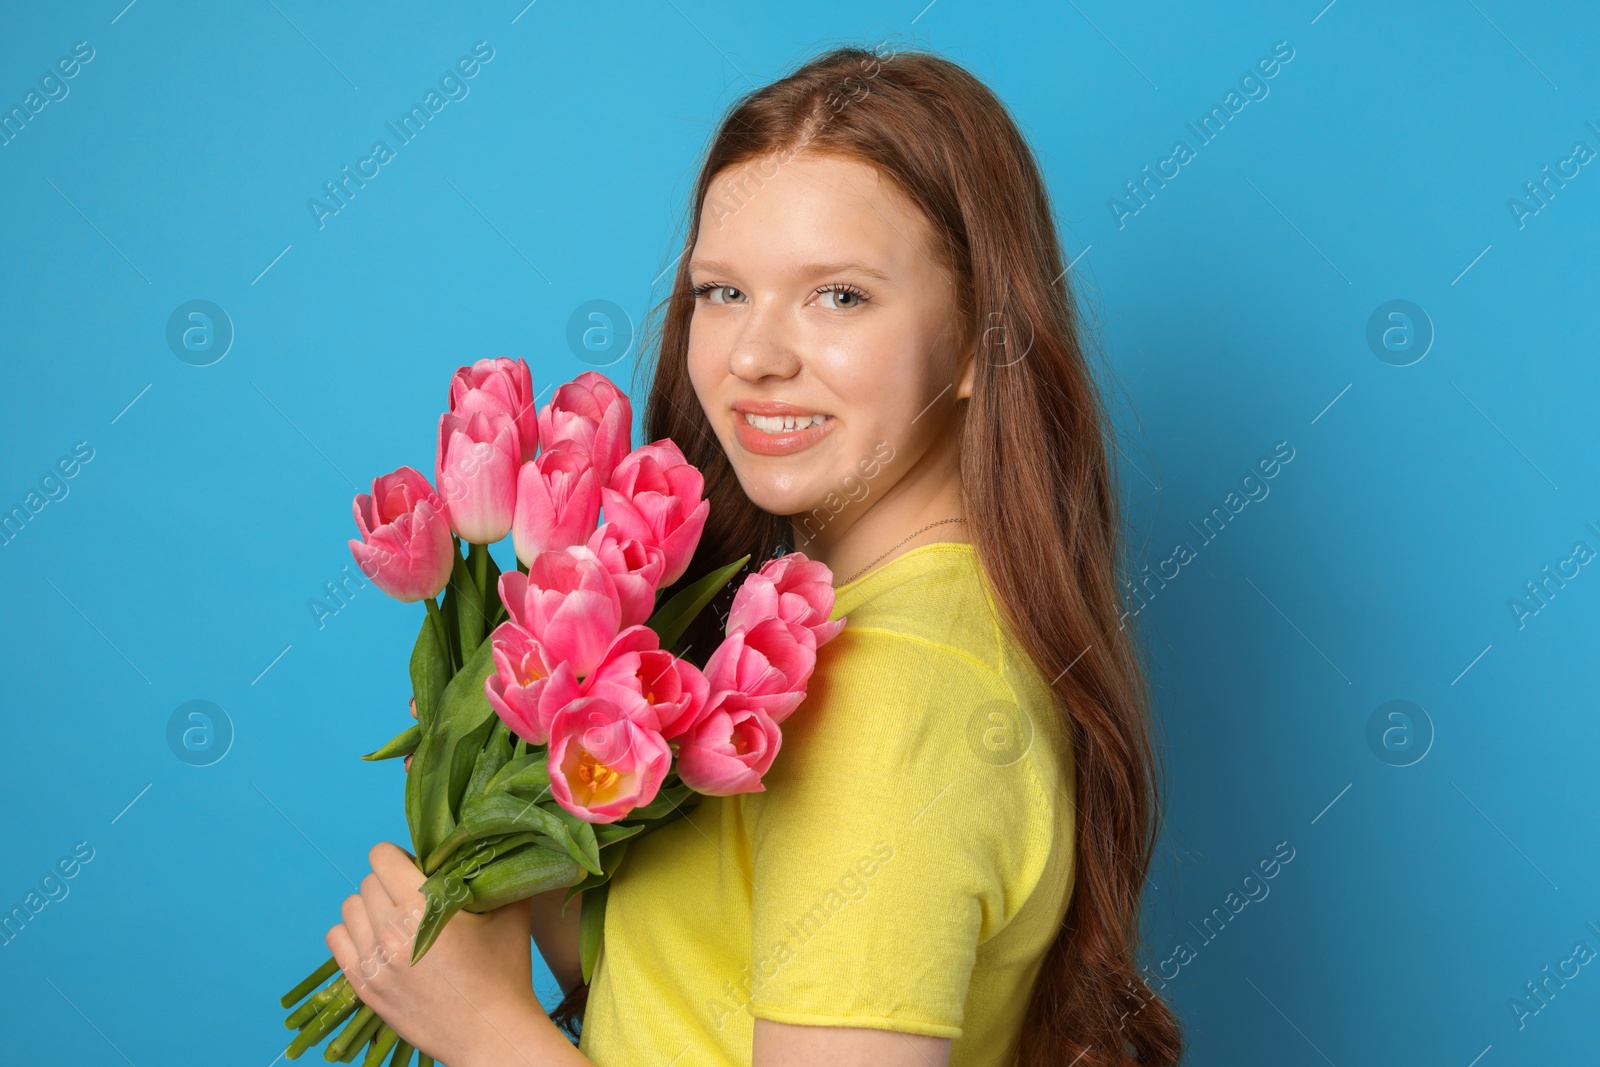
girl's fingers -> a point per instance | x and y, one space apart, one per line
358 924
344 950
397 871
413 707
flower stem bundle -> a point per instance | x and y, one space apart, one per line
558 716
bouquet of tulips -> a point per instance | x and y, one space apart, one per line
557 716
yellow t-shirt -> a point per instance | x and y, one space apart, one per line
905 869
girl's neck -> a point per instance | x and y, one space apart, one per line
871 527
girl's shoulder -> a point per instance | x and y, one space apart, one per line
926 644
916 791
934 595
921 699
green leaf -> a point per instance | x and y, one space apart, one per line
614 833
477 611
441 902
613 861
673 618
430 672
497 813
494 755
446 891
507 812
582 843
402 744
443 761
519 875
591 928
522 774
464 757
668 804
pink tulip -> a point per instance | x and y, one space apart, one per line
568 603
405 545
654 496
770 663
730 748
498 386
656 689
477 467
635 568
526 689
558 501
602 763
792 588
596 414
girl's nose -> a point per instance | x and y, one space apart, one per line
764 346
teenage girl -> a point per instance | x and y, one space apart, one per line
870 350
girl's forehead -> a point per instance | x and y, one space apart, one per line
809 211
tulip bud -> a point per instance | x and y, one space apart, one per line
405 545
498 386
654 496
477 473
730 748
558 501
592 412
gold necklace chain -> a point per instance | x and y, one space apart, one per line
896 545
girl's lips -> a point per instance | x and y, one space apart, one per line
778 444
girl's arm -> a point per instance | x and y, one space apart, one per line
557 937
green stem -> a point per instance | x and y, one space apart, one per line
352 1045
402 1054
358 1021
381 1047
312 980
438 628
331 1016
478 557
301 1016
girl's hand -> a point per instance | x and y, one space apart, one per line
469 998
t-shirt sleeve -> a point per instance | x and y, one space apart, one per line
894 837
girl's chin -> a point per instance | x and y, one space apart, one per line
785 500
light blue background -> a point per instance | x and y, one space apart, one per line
1232 310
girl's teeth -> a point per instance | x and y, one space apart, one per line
783 423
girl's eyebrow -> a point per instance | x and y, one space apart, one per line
805 270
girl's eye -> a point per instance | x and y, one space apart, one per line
712 291
845 296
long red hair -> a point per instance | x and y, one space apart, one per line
1035 456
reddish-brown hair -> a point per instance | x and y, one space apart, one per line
1037 479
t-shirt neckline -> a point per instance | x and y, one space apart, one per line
909 553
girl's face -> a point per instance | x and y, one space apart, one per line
824 343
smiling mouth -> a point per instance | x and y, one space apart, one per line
776 424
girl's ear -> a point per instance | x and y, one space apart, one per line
964 386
